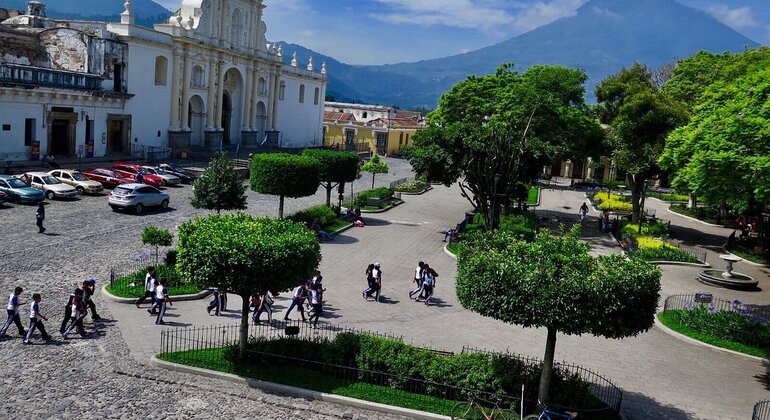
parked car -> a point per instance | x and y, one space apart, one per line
19 192
107 177
131 170
3 197
168 179
187 177
51 187
137 197
77 180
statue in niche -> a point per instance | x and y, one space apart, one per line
261 33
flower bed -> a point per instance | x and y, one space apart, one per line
413 186
611 202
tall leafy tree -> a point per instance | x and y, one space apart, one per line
285 175
220 187
555 284
243 255
640 117
375 166
337 167
494 133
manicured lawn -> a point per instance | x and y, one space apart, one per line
454 247
532 195
132 285
301 377
749 255
337 224
668 319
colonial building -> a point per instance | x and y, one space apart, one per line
370 128
206 78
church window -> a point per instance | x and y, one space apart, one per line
262 86
161 70
316 96
282 91
302 94
197 76
236 29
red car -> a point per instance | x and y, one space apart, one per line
107 177
132 171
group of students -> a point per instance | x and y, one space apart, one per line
425 280
309 293
75 310
155 289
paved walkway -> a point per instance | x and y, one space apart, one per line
662 377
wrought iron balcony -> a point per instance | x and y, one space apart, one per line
37 76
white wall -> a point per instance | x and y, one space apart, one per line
150 107
301 123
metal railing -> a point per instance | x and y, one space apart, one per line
38 76
128 277
730 320
761 410
698 254
266 340
597 385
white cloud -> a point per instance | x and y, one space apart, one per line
740 18
544 12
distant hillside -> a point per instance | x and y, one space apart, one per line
147 11
603 37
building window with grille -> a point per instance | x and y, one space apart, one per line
381 137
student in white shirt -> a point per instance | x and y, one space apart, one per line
418 278
13 312
36 319
149 286
161 299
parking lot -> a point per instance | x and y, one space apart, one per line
84 238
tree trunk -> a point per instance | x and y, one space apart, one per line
636 193
693 201
244 330
545 376
328 187
280 208
373 174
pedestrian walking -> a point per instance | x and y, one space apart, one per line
78 310
300 294
161 298
264 304
40 216
316 302
583 211
68 309
377 274
418 278
371 286
428 284
149 286
89 286
36 319
214 304
13 312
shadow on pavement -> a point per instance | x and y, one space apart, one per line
638 406
764 378
388 301
341 240
438 302
698 237
376 222
176 324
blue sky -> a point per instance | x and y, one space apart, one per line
391 31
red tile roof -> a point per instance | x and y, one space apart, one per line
339 116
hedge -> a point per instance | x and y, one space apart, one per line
360 199
322 212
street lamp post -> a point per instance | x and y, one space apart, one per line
494 200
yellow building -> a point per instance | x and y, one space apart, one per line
384 132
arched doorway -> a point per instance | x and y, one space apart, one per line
232 104
261 121
196 120
227 113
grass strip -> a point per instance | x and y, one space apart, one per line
749 255
301 377
132 285
532 196
668 319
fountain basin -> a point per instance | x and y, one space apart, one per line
732 280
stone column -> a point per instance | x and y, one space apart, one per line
246 108
254 98
224 34
270 98
175 76
220 94
212 95
275 100
186 91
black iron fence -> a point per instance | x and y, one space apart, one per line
598 386
697 253
127 278
761 410
730 320
190 345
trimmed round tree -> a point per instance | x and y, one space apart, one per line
244 254
284 175
219 187
337 167
374 167
554 283
153 236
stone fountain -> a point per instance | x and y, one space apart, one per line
727 277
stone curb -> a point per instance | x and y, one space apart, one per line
668 209
448 252
683 337
416 193
340 230
744 259
202 294
704 265
383 210
297 392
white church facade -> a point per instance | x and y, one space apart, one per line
205 79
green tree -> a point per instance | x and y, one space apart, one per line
495 133
554 283
219 187
243 255
153 236
374 167
285 175
337 167
640 118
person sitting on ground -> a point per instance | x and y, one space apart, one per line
448 235
323 235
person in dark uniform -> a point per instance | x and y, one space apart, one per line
68 309
40 216
161 298
89 287
13 312
78 310
214 304
36 319
300 294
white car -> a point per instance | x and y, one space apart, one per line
137 197
168 178
51 187
77 180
